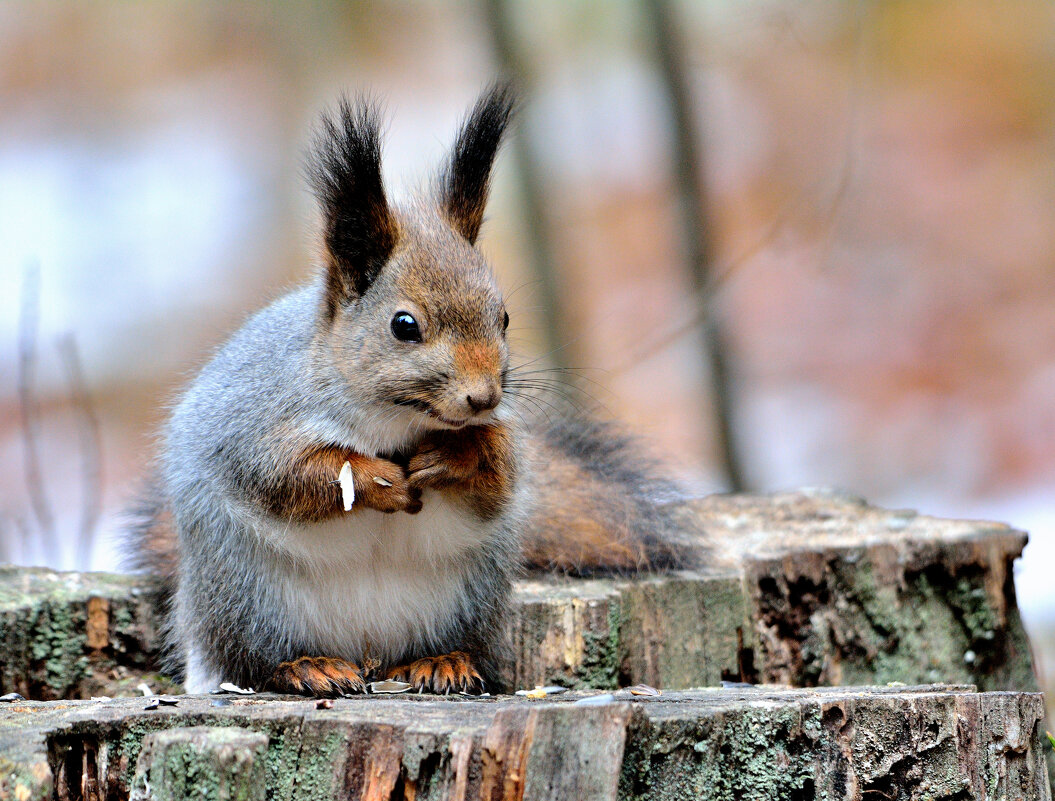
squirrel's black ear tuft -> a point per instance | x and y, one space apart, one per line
465 181
345 172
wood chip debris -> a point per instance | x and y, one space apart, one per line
383 482
347 482
542 692
595 700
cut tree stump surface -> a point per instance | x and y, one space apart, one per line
807 588
901 744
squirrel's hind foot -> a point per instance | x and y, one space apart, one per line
319 676
453 672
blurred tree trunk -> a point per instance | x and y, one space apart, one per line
557 342
688 163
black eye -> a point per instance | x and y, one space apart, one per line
505 320
405 328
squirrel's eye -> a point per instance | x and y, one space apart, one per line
505 320
405 328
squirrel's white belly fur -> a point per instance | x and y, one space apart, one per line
367 584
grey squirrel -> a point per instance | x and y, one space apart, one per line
393 361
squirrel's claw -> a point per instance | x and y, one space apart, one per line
453 672
319 676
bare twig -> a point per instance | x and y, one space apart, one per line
27 360
90 448
696 226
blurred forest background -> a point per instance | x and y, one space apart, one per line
873 246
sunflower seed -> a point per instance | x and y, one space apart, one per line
325 703
167 701
384 482
227 687
144 688
347 486
388 687
153 703
643 689
7 699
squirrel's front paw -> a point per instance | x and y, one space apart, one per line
382 485
319 676
446 458
453 672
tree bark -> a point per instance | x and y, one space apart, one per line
900 744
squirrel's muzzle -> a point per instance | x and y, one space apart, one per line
484 398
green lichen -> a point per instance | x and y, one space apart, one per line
218 765
931 626
600 665
311 776
980 621
752 753
130 740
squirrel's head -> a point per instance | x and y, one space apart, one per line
411 315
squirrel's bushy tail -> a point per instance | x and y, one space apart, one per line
602 505
150 537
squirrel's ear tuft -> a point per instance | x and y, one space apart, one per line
466 179
345 172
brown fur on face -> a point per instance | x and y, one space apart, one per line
453 376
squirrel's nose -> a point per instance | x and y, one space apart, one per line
484 399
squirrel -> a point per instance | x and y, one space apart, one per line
393 365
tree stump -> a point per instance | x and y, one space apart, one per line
736 744
803 589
